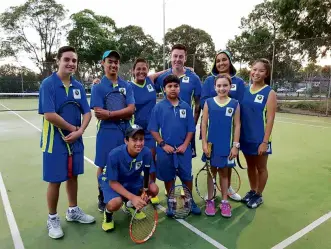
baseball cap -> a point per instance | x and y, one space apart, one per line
109 53
133 129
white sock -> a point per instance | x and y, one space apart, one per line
72 208
107 211
224 201
52 216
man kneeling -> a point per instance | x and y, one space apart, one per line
122 180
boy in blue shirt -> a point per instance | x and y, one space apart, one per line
172 126
109 135
54 91
122 179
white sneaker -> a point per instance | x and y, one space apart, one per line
233 195
78 215
54 228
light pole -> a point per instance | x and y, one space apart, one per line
164 60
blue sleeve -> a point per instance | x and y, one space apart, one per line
84 103
129 95
46 98
241 90
112 167
96 97
158 84
197 87
204 92
153 124
190 119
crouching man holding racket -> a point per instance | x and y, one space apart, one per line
122 181
62 102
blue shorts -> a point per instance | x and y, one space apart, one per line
107 139
165 168
55 166
149 140
109 193
252 148
219 161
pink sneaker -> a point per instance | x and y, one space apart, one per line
225 209
210 208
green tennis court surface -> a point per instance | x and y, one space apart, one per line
296 195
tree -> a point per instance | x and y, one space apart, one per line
244 74
199 44
308 22
133 43
91 35
261 37
43 17
12 78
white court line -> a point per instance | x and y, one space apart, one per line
302 232
305 120
15 233
318 126
89 137
186 224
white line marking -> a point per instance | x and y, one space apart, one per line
196 231
318 126
186 224
15 233
302 232
305 120
89 137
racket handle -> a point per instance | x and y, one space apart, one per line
209 149
70 166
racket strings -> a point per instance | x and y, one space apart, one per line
115 101
180 201
143 226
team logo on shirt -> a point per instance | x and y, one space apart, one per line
122 90
229 111
182 113
233 87
259 98
139 164
150 88
186 79
77 94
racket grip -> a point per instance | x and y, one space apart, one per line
70 166
209 149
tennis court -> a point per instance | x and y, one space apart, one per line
297 194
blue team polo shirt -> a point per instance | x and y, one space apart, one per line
52 94
126 170
172 122
99 92
190 85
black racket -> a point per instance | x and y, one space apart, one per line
115 101
241 161
71 112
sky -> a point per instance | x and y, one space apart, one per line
219 18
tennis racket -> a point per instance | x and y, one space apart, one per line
115 101
235 181
241 163
71 112
204 175
142 229
179 197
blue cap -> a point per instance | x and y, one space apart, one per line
109 53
